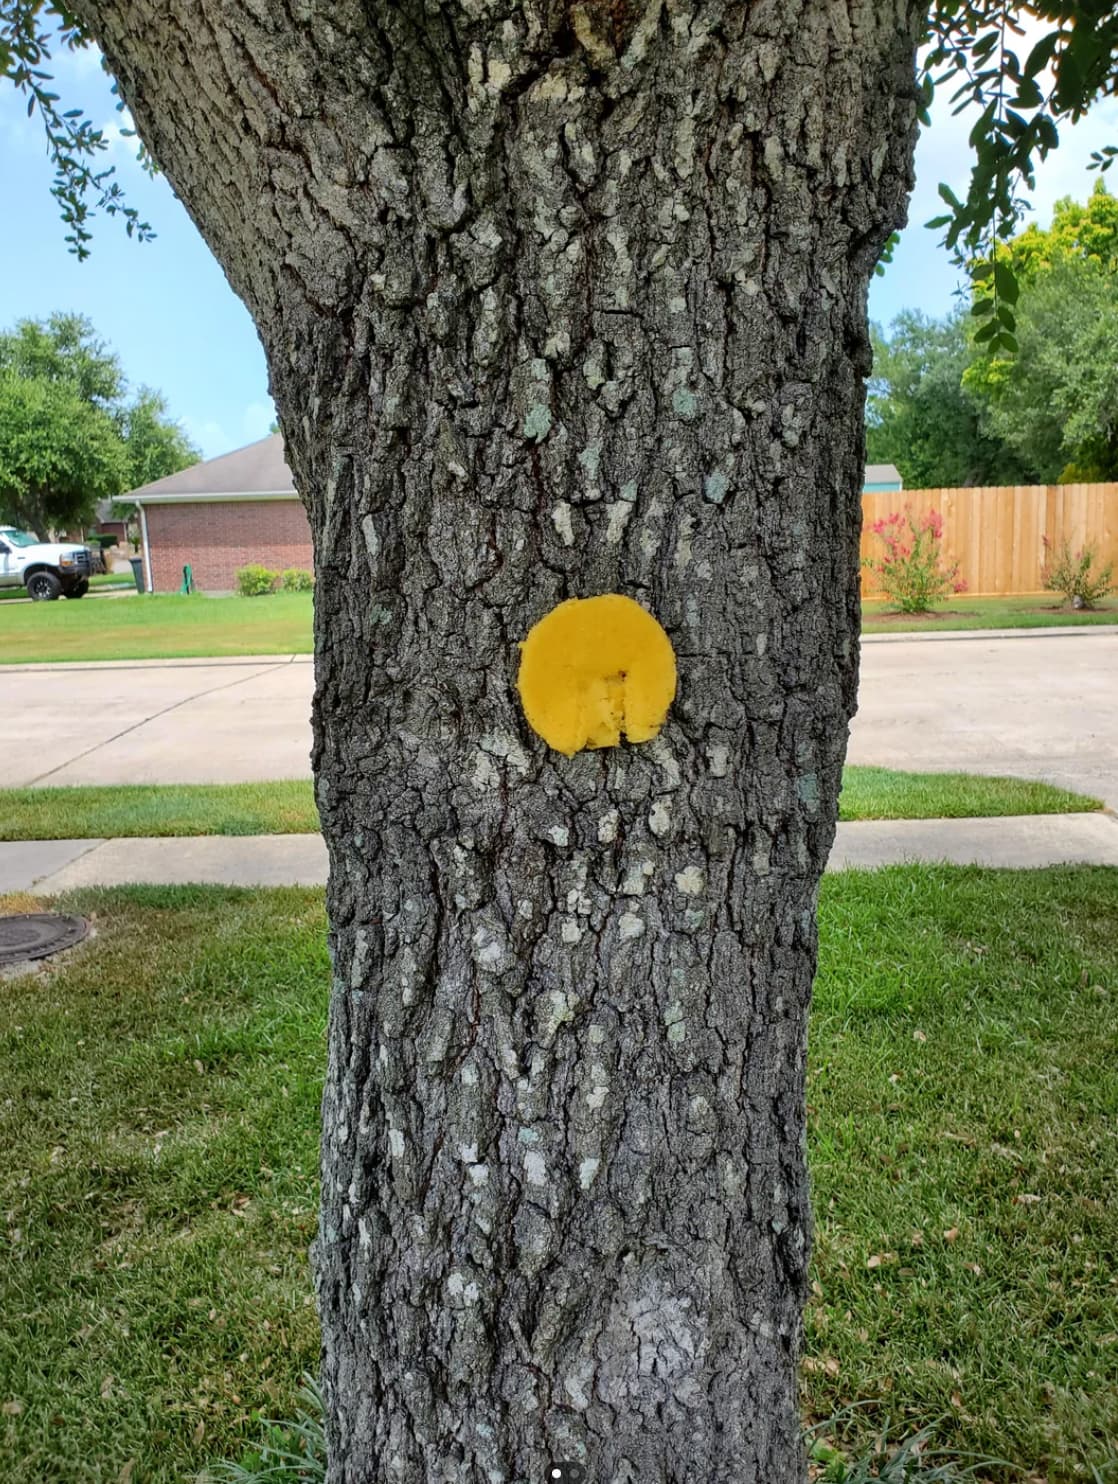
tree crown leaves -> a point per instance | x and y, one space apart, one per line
68 436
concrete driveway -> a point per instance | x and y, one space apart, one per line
1038 706
156 721
1043 706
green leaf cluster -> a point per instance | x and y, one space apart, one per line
69 437
1019 96
946 413
29 31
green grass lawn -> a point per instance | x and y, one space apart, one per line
280 808
1034 611
158 626
110 580
882 793
159 1094
154 626
288 807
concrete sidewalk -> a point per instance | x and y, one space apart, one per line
47 867
1046 631
1018 841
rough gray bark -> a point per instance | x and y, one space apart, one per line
559 300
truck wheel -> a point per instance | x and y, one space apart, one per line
79 589
43 587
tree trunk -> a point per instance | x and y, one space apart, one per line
559 300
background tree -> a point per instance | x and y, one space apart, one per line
922 417
59 455
64 349
156 445
1078 233
1054 402
68 435
948 413
560 300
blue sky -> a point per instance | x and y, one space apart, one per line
168 312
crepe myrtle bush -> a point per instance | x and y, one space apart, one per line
911 570
1074 574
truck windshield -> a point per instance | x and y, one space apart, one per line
20 538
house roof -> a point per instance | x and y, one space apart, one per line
885 475
258 472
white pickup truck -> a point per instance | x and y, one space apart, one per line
46 569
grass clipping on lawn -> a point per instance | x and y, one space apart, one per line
159 1102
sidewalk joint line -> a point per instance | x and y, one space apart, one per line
91 849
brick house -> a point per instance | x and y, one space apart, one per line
221 515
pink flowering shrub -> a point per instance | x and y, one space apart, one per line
1074 575
911 570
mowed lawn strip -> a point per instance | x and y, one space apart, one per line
167 626
155 626
288 808
1033 611
276 808
882 793
159 1095
963 1129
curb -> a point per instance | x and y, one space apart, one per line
185 662
922 636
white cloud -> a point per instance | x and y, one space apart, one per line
257 420
78 65
16 132
214 437
209 435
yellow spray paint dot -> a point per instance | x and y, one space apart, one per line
594 668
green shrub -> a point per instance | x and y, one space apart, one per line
296 580
1074 576
254 581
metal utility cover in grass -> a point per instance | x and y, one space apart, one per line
29 935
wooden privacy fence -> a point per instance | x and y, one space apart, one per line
995 532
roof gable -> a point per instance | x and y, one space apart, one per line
259 469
